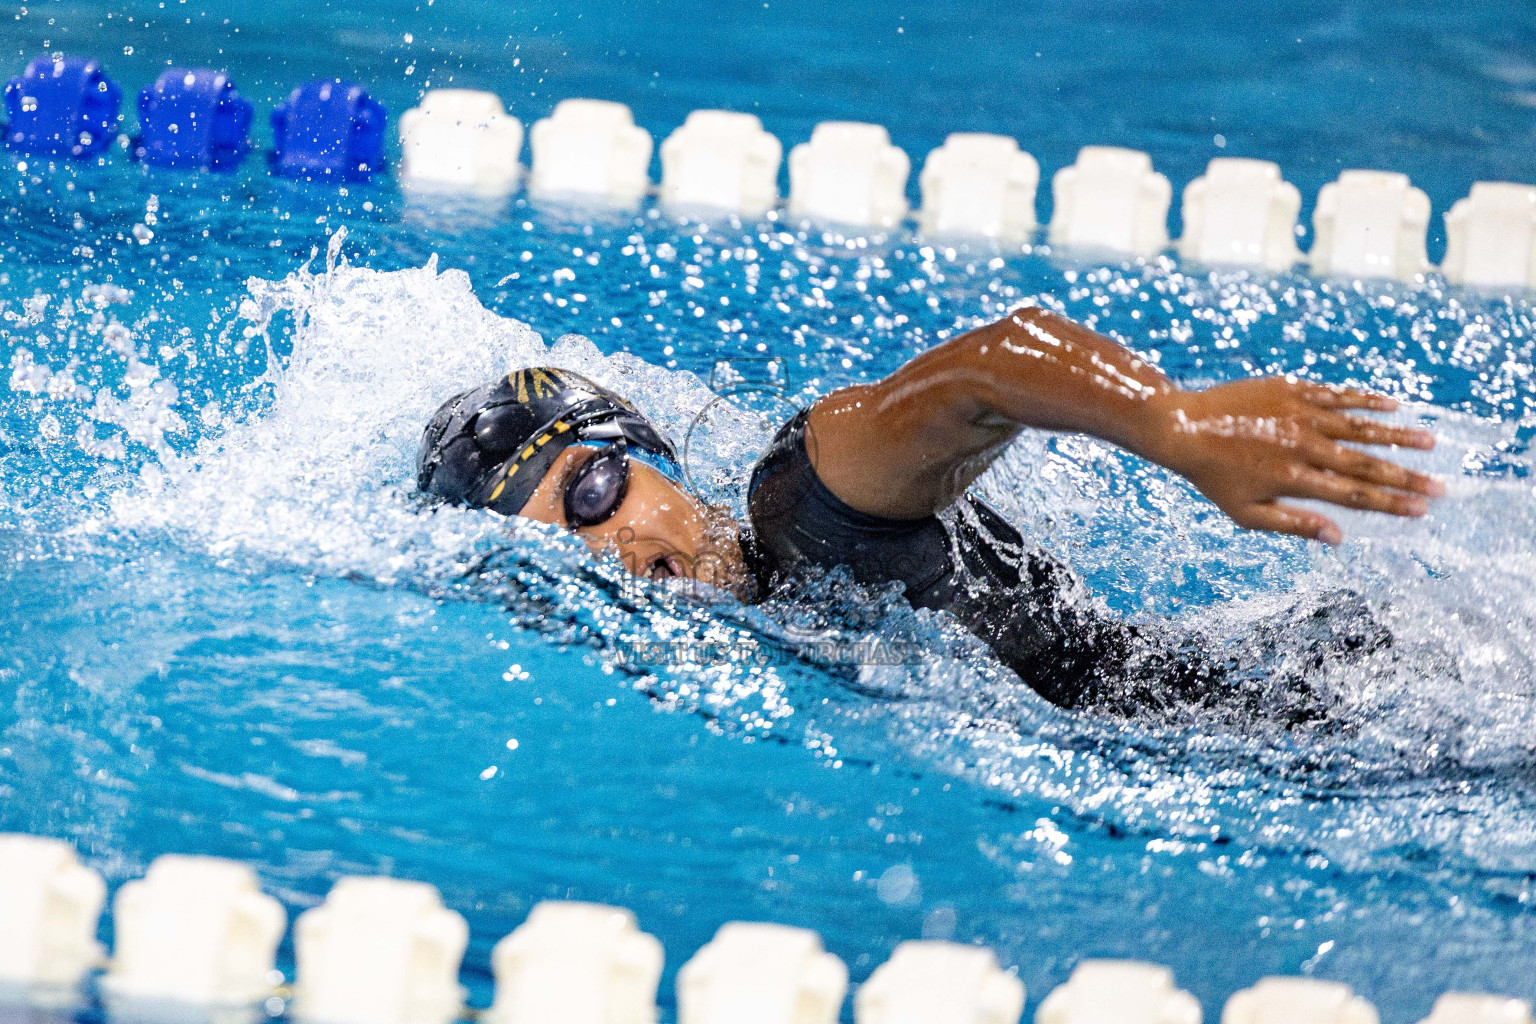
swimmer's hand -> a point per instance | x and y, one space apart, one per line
1249 444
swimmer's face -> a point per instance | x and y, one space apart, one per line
659 530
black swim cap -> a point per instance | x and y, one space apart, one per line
489 447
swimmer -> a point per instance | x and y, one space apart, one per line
875 479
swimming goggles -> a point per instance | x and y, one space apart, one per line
596 490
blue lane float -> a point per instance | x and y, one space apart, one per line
328 128
193 117
64 106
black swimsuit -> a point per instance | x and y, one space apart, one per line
971 563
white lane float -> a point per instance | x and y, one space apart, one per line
591 149
724 160
1476 1008
194 930
1298 1001
1490 236
940 983
49 906
576 963
1370 224
1241 212
849 173
1119 992
379 951
1111 198
979 184
761 974
460 140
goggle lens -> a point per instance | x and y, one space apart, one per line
597 489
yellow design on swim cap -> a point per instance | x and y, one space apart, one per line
501 484
545 383
519 379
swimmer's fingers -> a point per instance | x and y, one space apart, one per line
1354 463
1277 518
1363 431
1353 493
1334 396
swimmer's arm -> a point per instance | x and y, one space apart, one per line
909 445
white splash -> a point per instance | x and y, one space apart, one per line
323 475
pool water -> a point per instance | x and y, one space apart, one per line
229 627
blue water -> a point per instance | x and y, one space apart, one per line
228 629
